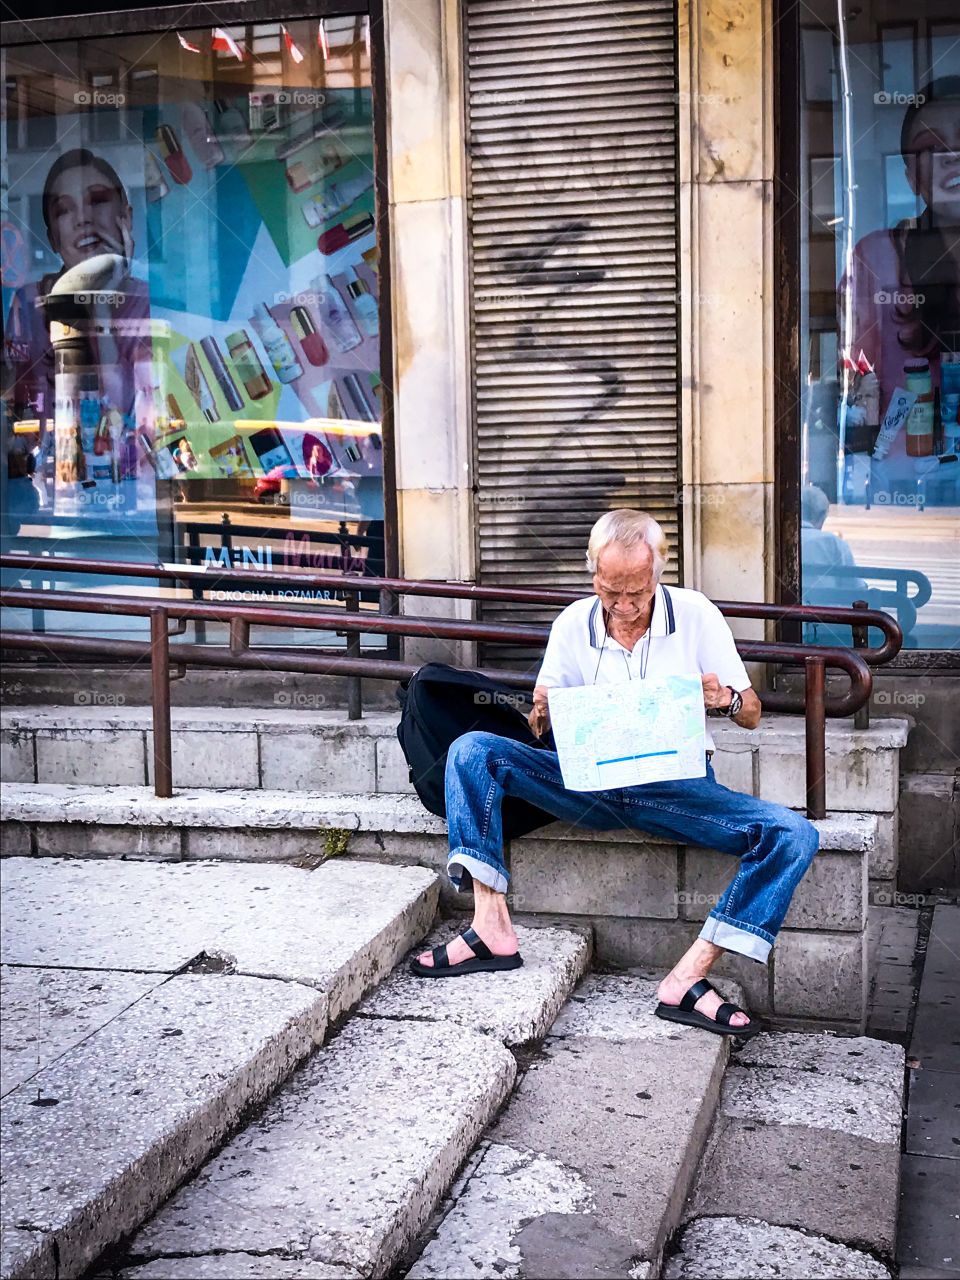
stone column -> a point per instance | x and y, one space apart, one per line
430 305
727 358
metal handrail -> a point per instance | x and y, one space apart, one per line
240 654
234 579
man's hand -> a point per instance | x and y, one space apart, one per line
715 694
539 717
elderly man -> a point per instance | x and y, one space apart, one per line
631 628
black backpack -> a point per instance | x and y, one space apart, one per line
439 703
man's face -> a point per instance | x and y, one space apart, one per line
625 581
87 216
932 158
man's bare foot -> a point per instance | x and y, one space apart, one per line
491 921
676 985
501 942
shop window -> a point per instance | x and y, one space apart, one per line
191 302
879 438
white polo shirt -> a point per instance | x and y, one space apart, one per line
688 634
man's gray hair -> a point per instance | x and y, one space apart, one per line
629 528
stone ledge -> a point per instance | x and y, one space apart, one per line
284 718
776 729
257 808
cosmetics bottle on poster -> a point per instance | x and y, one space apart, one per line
279 348
316 165
338 323
345 233
247 364
153 180
316 128
199 133
211 349
232 129
173 157
359 397
335 197
312 344
198 385
365 305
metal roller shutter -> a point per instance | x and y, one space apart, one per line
573 233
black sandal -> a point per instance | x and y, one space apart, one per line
685 1013
482 961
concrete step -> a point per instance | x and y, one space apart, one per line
300 744
586 1171
643 897
151 1007
800 1176
346 1164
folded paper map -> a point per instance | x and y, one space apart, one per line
622 735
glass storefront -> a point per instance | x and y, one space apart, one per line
879 127
191 300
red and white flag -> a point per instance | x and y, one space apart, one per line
185 43
223 42
323 41
292 48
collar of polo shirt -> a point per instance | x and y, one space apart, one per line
662 622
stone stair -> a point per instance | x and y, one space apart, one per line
642 897
148 1009
185 1080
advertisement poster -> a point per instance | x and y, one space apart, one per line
209 311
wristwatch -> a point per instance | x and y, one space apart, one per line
734 707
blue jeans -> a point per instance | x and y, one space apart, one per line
775 845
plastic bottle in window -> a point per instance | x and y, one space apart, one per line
920 422
338 323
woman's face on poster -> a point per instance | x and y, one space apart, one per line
932 158
88 216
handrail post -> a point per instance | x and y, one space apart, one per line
816 726
354 690
239 636
160 676
861 718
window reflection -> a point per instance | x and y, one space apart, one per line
880 475
191 293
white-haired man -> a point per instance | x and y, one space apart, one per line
631 628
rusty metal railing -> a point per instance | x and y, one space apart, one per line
815 702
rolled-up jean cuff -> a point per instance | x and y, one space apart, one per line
732 938
461 860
